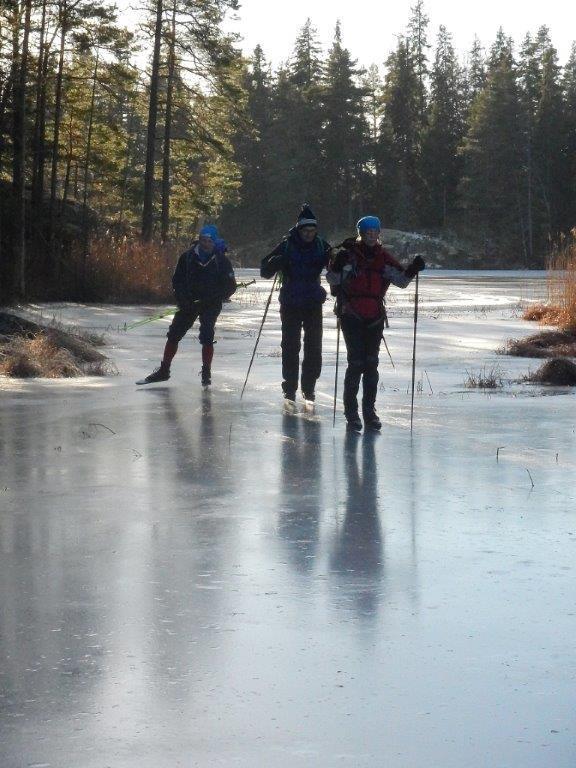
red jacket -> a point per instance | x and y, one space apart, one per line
362 292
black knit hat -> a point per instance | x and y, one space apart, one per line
306 217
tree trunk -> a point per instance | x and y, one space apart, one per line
67 175
39 122
4 99
19 148
168 130
129 145
529 200
56 139
147 209
76 193
86 170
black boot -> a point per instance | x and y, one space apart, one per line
353 422
160 374
371 420
309 394
289 390
206 375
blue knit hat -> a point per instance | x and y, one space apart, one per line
368 222
209 230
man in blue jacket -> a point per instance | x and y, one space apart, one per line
300 258
203 280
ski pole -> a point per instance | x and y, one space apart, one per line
414 353
161 316
259 334
336 374
387 350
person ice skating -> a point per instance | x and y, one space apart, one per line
203 280
360 274
300 257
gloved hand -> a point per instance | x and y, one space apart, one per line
348 271
333 278
418 264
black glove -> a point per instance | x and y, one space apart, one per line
275 262
418 264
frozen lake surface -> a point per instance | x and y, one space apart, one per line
193 580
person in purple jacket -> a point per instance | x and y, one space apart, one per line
300 258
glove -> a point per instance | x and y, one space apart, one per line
348 271
333 278
417 265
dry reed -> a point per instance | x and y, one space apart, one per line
128 270
560 309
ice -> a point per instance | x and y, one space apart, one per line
268 590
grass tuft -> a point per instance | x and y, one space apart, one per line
558 372
485 378
29 350
560 310
543 344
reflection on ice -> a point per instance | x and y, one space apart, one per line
218 583
357 556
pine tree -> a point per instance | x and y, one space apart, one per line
550 145
252 148
569 87
545 140
373 86
493 152
305 74
295 135
441 162
418 46
502 50
373 191
213 63
476 71
344 137
401 136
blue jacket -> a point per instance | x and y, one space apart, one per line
301 265
211 281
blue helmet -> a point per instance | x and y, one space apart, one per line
209 230
368 222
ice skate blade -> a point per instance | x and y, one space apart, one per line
143 382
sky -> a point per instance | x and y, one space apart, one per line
370 27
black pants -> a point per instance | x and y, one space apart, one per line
294 320
184 319
362 339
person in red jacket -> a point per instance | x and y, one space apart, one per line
360 274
